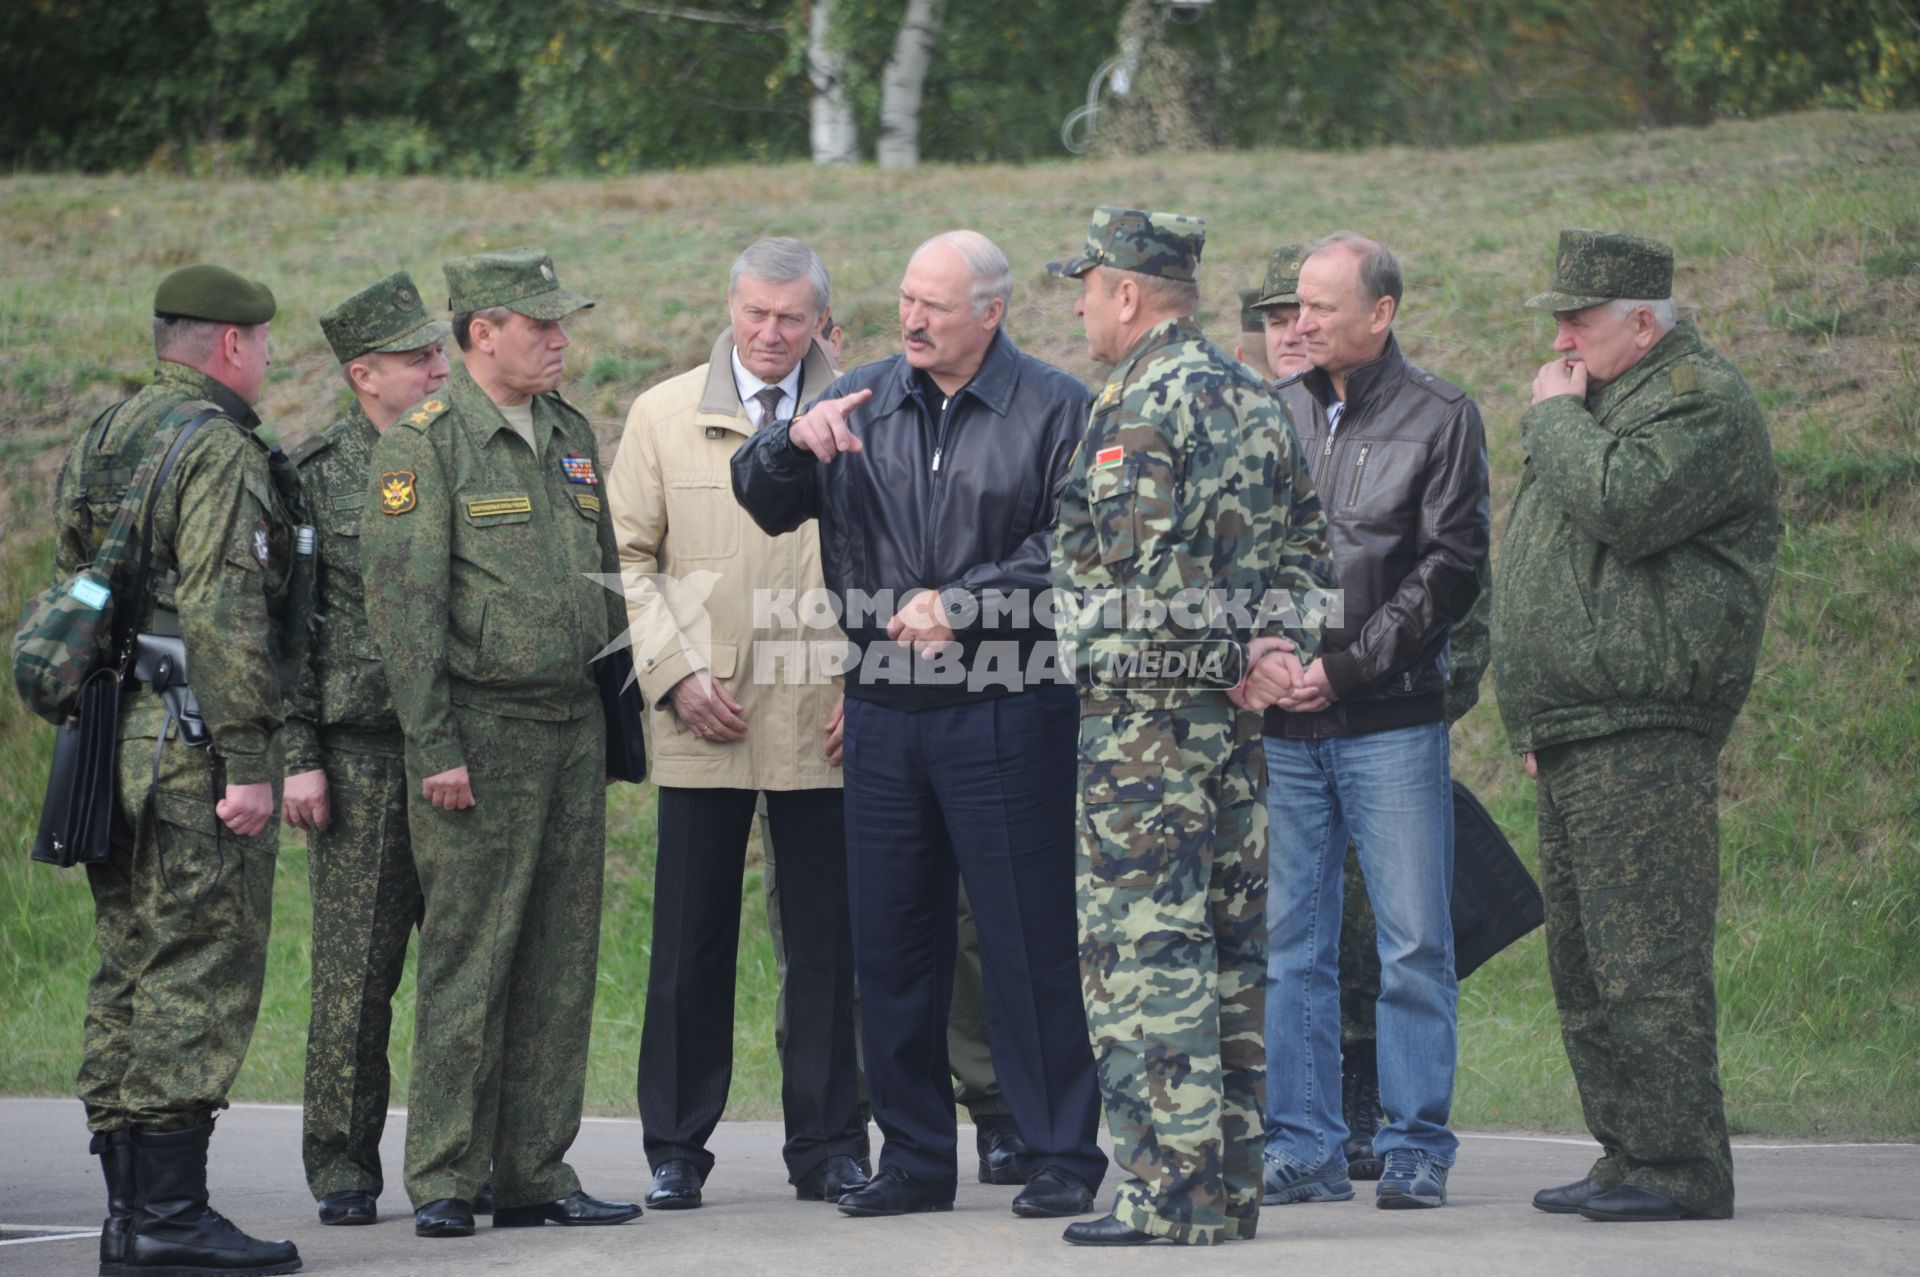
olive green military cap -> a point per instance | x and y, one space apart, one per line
1601 266
521 279
384 317
1282 286
1163 244
214 294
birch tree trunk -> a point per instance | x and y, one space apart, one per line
900 90
835 138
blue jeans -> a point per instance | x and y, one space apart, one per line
1392 792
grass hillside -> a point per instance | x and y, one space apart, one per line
1798 241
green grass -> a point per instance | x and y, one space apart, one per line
1796 239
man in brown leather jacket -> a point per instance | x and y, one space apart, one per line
1359 747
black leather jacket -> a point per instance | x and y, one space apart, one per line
1404 484
956 494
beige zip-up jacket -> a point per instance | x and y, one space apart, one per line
710 573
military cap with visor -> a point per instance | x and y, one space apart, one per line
520 279
214 295
1282 285
1164 244
383 318
1602 266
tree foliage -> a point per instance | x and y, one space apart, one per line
615 85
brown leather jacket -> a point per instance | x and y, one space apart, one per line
1404 484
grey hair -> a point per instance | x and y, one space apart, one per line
986 265
777 259
187 341
1661 308
1379 268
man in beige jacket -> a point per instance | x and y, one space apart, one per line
722 646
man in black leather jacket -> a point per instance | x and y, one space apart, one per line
1360 745
934 475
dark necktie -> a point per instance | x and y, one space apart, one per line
769 401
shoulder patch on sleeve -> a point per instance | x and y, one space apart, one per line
425 415
1686 379
397 494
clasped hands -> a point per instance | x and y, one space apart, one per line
1275 678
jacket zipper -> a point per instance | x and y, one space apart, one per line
933 490
1353 493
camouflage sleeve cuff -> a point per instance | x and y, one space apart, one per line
436 754
299 747
247 769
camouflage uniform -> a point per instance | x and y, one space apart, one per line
1189 477
480 602
366 894
1632 598
182 907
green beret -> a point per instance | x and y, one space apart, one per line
384 317
1163 244
521 279
1602 266
214 294
1282 284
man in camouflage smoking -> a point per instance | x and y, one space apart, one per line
1188 483
1632 596
485 526
346 771
183 904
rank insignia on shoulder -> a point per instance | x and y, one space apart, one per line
1108 397
396 492
1686 379
1108 458
578 469
426 412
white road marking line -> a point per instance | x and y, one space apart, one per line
93 1233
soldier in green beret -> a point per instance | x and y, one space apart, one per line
1632 597
182 906
485 528
1189 485
346 781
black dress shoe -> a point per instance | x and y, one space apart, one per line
483 1202
1000 1145
1566 1199
348 1206
892 1192
447 1217
1106 1231
576 1208
832 1180
1629 1205
1051 1193
676 1186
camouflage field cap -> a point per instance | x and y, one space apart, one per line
1251 320
214 294
1163 244
521 279
384 317
1283 277
1600 266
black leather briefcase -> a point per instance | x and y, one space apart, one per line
1495 900
76 817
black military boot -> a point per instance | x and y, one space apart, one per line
1360 1102
115 1151
173 1227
